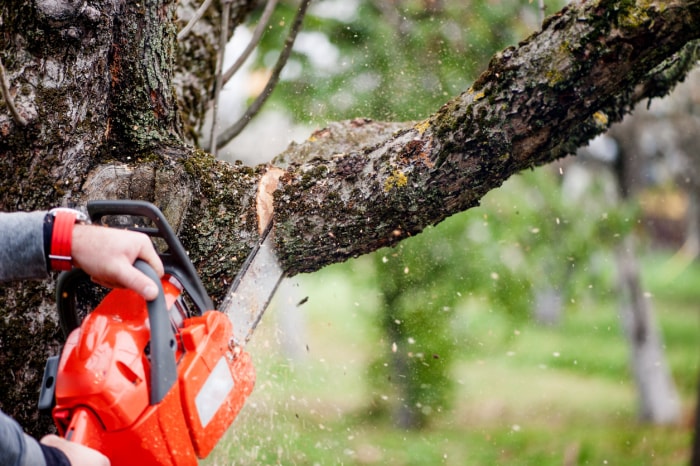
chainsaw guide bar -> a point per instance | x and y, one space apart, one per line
253 288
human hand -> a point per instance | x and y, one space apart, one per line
77 454
108 256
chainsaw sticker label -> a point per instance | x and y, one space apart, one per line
214 392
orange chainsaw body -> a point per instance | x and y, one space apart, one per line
103 380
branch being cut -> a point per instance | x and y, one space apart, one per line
350 189
534 104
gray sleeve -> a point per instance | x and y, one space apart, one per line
16 447
22 246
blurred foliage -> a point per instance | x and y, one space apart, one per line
525 394
388 60
526 236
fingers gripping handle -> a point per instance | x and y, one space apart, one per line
163 367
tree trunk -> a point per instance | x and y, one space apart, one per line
98 86
659 402
548 305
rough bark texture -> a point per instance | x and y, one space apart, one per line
95 81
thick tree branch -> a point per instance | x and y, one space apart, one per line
534 103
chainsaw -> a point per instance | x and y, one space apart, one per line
158 382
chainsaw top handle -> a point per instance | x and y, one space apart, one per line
175 259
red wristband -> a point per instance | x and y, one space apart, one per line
62 239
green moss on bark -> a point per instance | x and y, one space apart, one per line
221 228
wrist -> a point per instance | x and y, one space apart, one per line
54 456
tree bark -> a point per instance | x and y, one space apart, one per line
95 83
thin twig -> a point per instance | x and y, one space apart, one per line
5 91
197 15
254 108
257 35
223 39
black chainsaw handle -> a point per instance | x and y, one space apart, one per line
163 367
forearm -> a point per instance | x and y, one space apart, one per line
22 246
17 448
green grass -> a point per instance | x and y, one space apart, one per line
527 395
